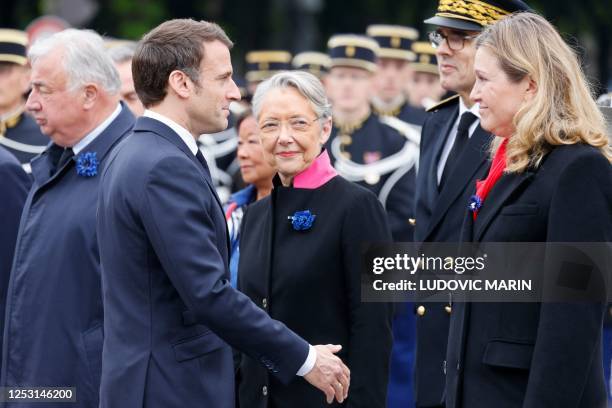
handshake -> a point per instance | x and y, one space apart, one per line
329 373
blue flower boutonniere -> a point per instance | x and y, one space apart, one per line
87 164
475 203
302 220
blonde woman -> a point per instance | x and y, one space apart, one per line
550 181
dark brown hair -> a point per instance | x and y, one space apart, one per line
173 45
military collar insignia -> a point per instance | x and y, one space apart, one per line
348 128
442 103
388 109
11 120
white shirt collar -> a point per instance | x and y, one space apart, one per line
474 109
82 144
183 133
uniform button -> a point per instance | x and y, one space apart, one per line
264 390
444 367
421 310
372 178
346 140
264 303
458 366
448 309
412 221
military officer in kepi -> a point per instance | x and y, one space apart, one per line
395 57
262 64
378 152
317 63
424 89
19 133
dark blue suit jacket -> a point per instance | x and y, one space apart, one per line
14 185
439 215
169 306
53 333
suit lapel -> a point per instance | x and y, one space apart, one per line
499 194
41 167
152 125
471 160
441 135
101 145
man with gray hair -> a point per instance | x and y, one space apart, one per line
122 54
53 331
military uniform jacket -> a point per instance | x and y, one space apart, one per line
357 155
53 332
406 113
439 216
310 280
23 138
533 355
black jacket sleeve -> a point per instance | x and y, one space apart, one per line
370 332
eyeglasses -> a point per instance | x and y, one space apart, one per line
272 127
455 42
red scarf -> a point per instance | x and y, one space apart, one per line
483 187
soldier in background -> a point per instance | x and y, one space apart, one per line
19 133
317 63
122 52
378 152
394 57
423 88
262 64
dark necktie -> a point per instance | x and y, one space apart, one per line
202 161
64 157
461 140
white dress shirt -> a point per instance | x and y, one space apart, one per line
453 135
183 133
190 141
90 137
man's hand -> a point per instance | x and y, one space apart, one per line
329 374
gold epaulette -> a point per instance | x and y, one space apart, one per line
443 103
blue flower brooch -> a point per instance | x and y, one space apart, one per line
475 203
87 164
302 220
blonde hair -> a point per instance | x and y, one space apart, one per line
563 111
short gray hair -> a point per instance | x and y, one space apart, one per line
85 58
305 83
123 52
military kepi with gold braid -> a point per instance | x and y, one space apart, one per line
262 65
394 41
352 50
317 63
13 46
474 15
